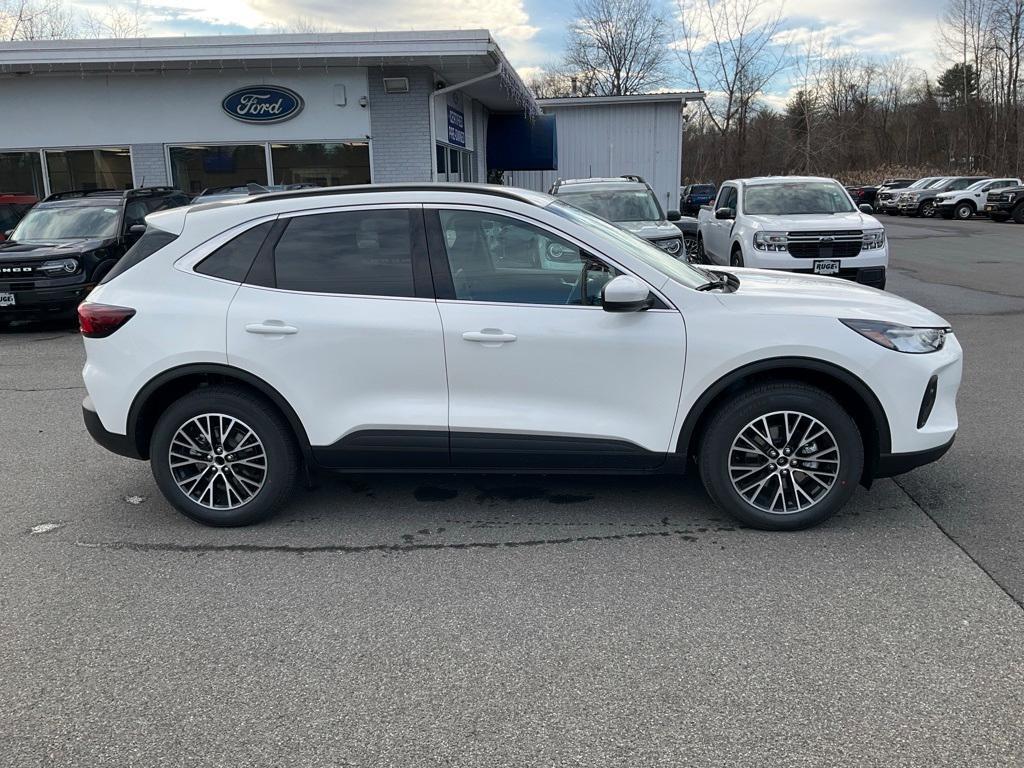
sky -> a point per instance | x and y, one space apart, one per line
532 32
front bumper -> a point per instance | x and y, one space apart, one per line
122 445
892 464
1001 207
33 302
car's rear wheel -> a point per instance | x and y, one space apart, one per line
781 456
224 457
964 211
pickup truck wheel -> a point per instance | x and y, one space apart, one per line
736 260
700 256
1018 213
964 211
781 456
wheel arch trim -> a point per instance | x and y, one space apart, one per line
136 427
684 442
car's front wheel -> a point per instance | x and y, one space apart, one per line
1018 213
224 457
964 211
781 456
926 209
736 260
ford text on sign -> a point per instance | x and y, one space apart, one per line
456 127
262 104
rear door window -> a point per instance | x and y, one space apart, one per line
362 253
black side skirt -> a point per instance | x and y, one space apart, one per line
441 451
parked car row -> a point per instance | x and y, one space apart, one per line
951 197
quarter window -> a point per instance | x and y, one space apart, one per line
366 253
498 259
233 259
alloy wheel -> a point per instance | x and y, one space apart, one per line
784 462
218 461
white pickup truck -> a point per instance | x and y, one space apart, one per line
796 223
964 203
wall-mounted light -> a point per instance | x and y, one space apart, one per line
396 85
364 102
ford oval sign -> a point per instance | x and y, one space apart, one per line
262 104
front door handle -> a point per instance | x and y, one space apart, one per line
271 328
493 336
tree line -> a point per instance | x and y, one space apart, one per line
855 116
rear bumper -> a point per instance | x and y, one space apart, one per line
892 464
122 445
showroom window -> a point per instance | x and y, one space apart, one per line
325 165
21 173
97 168
195 167
366 253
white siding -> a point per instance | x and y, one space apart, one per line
612 140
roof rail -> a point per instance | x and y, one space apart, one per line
362 189
71 193
146 191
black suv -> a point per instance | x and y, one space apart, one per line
1001 204
67 243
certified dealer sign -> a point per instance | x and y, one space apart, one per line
262 104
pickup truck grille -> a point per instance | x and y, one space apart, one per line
999 197
887 196
825 245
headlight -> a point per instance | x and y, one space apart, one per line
901 338
913 196
873 239
670 246
60 266
771 241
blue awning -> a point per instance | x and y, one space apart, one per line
518 143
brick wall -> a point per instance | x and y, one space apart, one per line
400 126
148 165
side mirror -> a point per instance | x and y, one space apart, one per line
725 213
673 216
137 230
865 208
625 293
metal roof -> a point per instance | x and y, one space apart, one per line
454 55
639 98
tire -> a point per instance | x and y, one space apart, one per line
690 249
963 211
700 255
926 209
722 447
261 486
1018 213
736 258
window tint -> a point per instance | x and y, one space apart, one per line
495 258
367 253
232 260
147 245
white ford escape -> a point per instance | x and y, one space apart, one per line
444 328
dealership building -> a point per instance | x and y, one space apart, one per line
206 112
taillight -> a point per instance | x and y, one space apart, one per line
98 321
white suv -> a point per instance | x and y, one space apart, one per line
442 328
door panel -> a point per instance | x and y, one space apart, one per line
571 372
539 376
342 330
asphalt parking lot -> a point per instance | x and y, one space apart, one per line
525 622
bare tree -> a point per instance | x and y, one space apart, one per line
729 49
35 20
118 20
617 47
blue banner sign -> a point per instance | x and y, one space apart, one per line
456 127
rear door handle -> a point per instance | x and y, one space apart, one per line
489 336
271 328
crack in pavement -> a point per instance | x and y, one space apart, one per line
944 532
682 534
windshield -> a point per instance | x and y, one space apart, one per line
651 255
616 205
67 223
923 182
941 182
783 199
